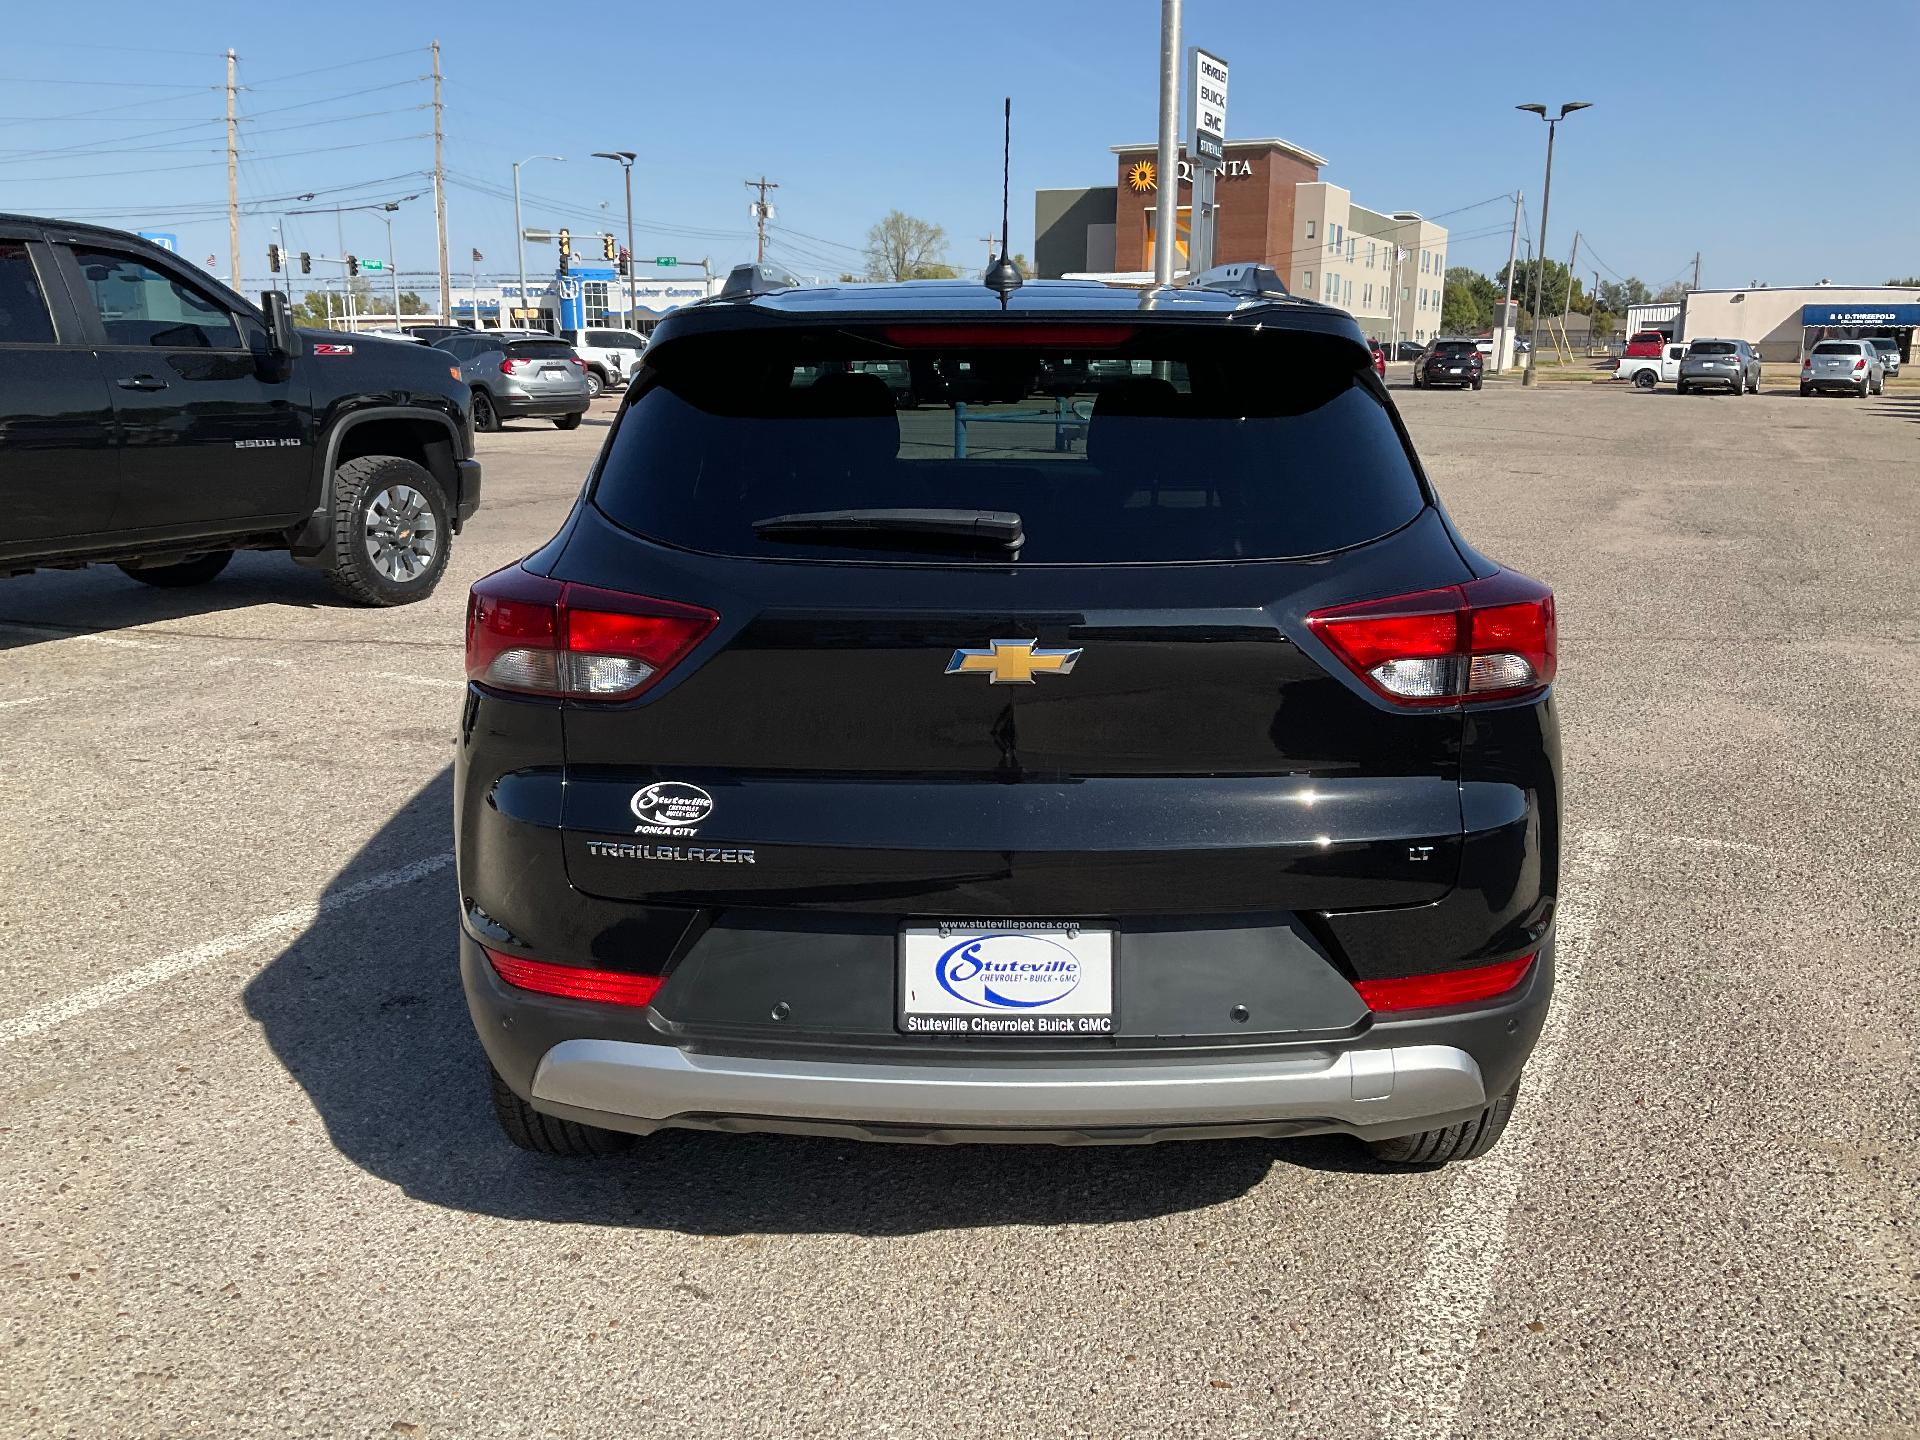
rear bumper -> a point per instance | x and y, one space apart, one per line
640 1087
510 405
621 1069
1731 380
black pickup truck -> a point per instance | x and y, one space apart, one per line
152 419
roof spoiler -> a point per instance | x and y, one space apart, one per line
1244 278
761 279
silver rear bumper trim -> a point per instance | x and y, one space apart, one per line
658 1084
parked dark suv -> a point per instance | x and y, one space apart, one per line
1450 362
1154 762
152 419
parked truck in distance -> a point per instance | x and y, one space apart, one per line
1644 372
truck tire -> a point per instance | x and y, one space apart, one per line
391 529
1468 1140
1644 380
548 1134
596 382
197 571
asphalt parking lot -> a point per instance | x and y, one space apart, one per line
249 1184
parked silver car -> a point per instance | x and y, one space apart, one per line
1719 365
1889 353
1853 366
515 375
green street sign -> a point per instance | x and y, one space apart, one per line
373 264
666 259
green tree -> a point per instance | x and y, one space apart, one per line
312 310
1553 297
1467 303
1913 280
1616 295
1602 325
1671 294
905 247
412 304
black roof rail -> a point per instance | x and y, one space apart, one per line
760 279
1241 278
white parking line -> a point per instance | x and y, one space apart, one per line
1440 1323
24 700
167 967
56 633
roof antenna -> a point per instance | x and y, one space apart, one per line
1003 276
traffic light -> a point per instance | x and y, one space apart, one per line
273 259
566 250
353 265
625 260
306 263
608 249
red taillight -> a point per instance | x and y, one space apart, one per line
1859 364
537 636
507 367
581 363
608 987
1490 639
1444 987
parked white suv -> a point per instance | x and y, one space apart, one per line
611 355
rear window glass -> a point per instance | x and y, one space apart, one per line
614 339
1173 444
540 350
1712 347
1837 347
1453 347
1879 343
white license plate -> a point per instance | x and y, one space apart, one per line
554 372
1013 977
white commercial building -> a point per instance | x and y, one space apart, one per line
1389 271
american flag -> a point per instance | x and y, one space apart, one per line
478 257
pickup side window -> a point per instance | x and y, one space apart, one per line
23 309
140 305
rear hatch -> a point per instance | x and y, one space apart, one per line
1075 678
1833 361
544 366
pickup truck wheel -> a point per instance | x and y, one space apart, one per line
566 422
390 531
548 1134
486 419
197 571
1468 1140
1644 380
595 384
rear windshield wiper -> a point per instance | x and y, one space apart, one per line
882 526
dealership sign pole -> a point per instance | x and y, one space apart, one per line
1167 175
1206 149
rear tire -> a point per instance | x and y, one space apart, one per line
486 420
1680 387
391 531
1645 380
1468 1140
594 384
566 422
548 1134
197 571
1805 390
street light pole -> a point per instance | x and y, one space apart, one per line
1167 223
1546 198
626 159
393 271
519 233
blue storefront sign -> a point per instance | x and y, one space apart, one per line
1862 315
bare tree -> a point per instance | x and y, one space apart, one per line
904 247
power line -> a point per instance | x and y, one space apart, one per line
202 165
343 65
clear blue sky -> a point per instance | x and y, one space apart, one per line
1728 129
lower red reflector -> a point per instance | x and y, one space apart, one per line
608 987
1444 987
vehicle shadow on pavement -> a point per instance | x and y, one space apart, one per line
56 604
365 1010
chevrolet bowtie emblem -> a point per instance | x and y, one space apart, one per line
1012 662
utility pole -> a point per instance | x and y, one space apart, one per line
989 241
1168 178
1504 357
233 180
440 197
761 210
1696 269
